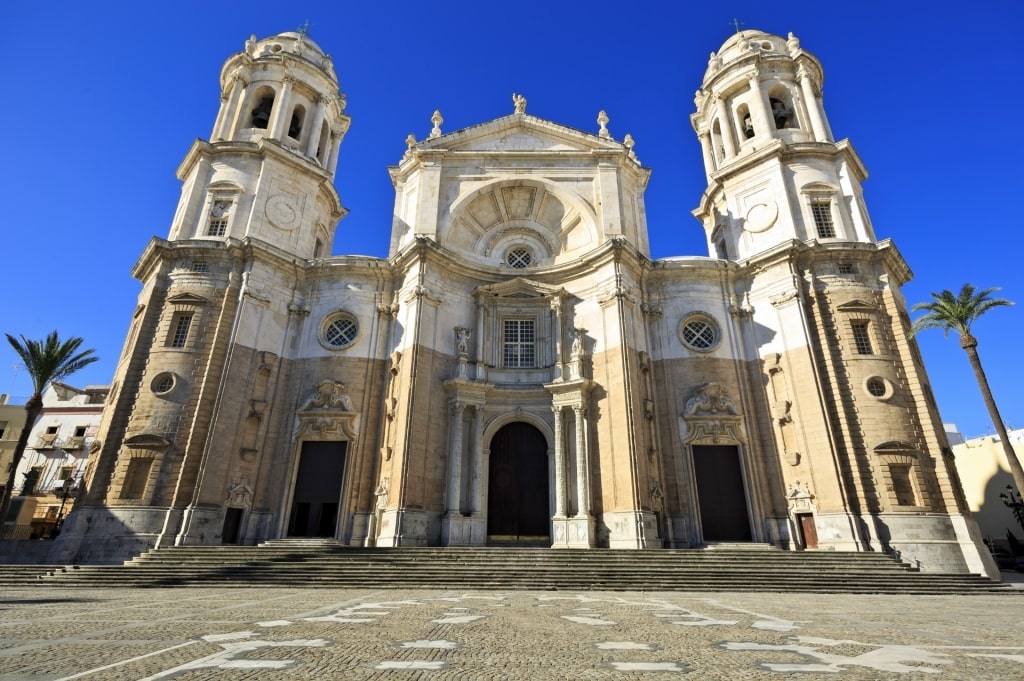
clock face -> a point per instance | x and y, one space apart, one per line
282 213
761 217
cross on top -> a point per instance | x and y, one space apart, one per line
304 29
736 23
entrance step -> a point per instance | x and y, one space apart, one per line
329 564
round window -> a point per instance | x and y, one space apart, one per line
163 383
339 331
519 258
699 332
878 387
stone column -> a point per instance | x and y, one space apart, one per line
477 447
332 164
236 108
582 484
314 130
758 107
560 471
455 461
725 123
705 147
813 106
281 101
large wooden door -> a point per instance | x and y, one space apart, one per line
517 491
317 489
720 495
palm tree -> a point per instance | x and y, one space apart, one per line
46 361
956 312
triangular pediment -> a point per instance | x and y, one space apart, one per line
520 288
857 306
186 299
519 133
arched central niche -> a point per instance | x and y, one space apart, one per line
492 221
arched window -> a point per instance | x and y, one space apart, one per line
717 145
781 102
295 125
746 123
264 100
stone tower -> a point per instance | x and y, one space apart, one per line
865 465
220 297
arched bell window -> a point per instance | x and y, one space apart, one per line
264 106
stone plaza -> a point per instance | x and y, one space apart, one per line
245 633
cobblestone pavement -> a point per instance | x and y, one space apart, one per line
246 633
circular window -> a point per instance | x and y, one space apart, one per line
878 387
519 258
163 383
339 331
699 332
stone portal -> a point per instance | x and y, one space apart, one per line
517 493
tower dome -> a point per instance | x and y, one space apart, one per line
283 88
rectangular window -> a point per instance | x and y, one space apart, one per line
862 338
218 224
822 212
901 485
519 343
3 429
200 266
845 268
179 329
65 472
136 477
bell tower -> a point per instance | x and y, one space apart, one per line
220 299
267 171
774 171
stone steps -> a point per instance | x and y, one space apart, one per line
297 564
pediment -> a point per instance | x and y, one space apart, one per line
520 287
187 299
147 441
519 133
857 306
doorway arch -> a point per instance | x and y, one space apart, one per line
518 510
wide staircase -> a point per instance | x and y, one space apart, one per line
304 564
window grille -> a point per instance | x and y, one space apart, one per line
341 332
822 212
519 343
519 258
179 336
862 338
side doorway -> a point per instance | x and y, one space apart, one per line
316 498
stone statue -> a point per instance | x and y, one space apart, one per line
793 43
462 340
382 494
577 341
519 102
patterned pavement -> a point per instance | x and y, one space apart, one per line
285 634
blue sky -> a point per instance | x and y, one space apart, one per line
102 100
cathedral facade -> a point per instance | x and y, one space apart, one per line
518 370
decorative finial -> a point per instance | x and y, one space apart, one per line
519 102
410 141
736 23
250 45
437 120
628 142
602 120
304 29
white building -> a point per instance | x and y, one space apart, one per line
54 461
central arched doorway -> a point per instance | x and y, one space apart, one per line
517 487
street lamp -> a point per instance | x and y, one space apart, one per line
69 490
1012 500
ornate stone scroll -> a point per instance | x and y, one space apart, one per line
328 414
711 416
